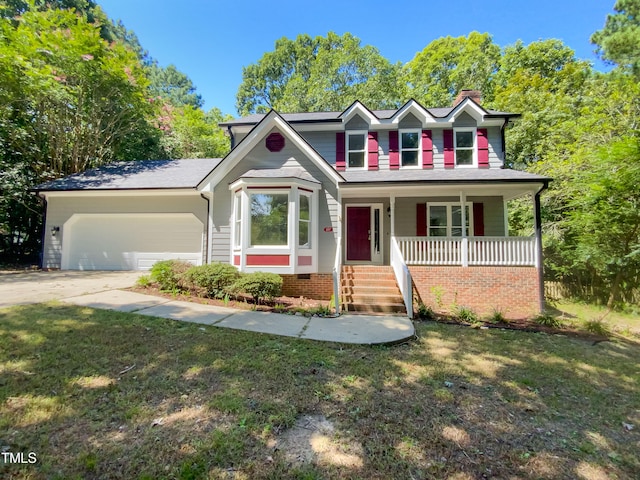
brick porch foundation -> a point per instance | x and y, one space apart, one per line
512 290
318 286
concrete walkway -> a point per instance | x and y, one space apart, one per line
357 329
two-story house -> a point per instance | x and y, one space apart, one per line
353 204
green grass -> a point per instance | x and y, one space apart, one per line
589 316
100 394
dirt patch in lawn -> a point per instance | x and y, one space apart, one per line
313 439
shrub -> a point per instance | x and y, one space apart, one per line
424 312
465 314
212 280
548 320
259 285
144 281
169 274
598 327
497 317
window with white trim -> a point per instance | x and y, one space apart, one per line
445 219
356 149
410 147
465 147
269 214
237 224
304 220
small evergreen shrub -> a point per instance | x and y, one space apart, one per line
169 274
212 280
260 285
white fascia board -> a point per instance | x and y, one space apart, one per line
416 109
157 192
470 107
259 132
358 108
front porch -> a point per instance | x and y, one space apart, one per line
448 245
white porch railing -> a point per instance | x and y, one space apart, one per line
502 251
337 298
403 276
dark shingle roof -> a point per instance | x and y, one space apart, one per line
335 116
459 175
284 172
142 174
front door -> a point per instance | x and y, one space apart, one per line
359 234
364 233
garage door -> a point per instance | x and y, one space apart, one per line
130 241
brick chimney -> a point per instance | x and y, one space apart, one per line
475 95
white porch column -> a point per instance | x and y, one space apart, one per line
392 207
538 230
465 240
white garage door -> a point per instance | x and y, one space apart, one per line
130 241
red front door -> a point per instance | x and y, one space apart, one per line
359 234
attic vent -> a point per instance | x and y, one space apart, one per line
275 142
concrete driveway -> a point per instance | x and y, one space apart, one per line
35 287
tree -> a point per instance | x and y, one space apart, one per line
190 133
600 230
447 65
544 82
619 41
315 74
172 85
69 100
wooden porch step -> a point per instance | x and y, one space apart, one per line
370 289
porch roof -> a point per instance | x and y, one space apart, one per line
408 176
440 182
280 173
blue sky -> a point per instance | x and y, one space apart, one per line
212 40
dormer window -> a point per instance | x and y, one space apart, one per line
410 147
356 149
465 147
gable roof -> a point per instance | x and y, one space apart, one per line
271 120
141 174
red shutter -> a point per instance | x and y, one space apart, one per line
421 219
483 148
394 154
372 148
449 152
427 149
340 161
478 219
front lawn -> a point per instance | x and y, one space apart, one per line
99 394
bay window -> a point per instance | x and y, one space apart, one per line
269 218
274 226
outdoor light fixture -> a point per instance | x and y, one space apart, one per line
54 230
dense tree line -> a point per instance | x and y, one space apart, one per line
77 90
